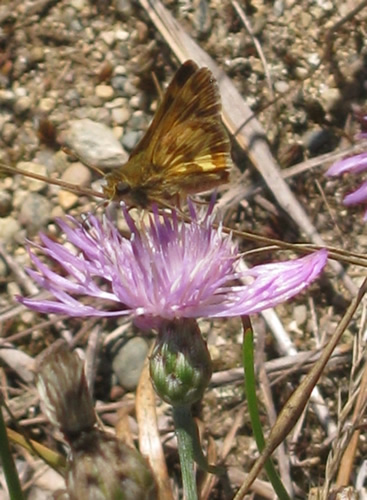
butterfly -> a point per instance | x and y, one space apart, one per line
186 149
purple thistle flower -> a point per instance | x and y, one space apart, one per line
166 270
355 165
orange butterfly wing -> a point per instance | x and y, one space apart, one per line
186 148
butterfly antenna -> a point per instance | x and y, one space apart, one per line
73 188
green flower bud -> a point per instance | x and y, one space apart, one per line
180 365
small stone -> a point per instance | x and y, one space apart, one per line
120 70
306 19
278 8
21 64
104 92
281 86
300 314
94 143
130 140
118 132
72 98
301 73
118 102
314 59
22 105
137 101
78 4
35 212
118 82
130 89
319 141
201 18
120 115
9 132
122 35
21 92
7 97
47 104
36 55
33 185
124 8
331 98
108 37
129 361
9 229
326 5
77 174
67 199
46 483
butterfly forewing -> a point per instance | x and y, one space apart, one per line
166 107
192 138
186 148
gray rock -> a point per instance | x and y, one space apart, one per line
77 174
36 55
331 98
319 141
124 8
118 82
129 361
35 212
120 115
104 92
202 18
94 143
72 98
7 97
130 140
300 314
22 105
281 86
35 168
108 37
9 132
46 105
9 228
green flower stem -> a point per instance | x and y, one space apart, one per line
250 388
186 436
10 471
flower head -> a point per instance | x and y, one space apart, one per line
166 270
100 466
355 165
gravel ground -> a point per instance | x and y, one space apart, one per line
82 73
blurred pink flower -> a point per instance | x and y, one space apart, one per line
355 165
168 269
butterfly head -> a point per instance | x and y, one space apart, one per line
116 188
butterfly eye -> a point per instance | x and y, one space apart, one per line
122 188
